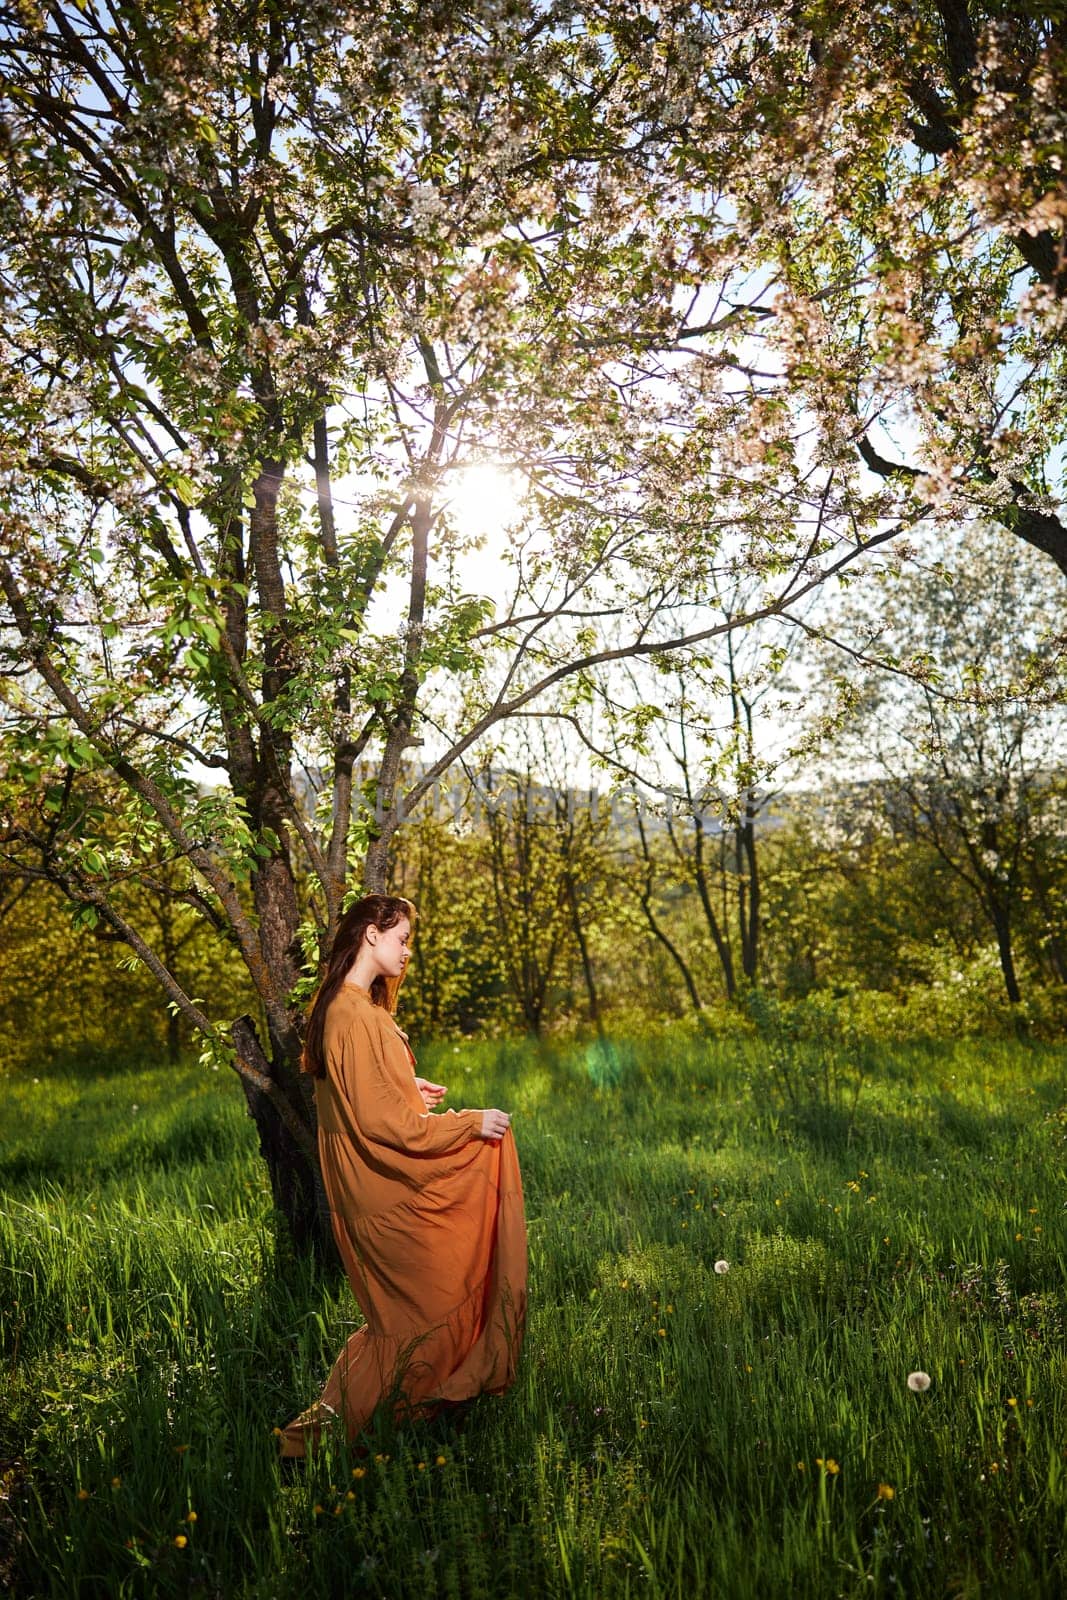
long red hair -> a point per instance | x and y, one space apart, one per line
379 911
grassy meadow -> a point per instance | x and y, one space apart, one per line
678 1429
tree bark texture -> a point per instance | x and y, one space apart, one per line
295 1179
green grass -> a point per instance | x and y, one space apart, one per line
665 1436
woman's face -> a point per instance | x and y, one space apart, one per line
390 947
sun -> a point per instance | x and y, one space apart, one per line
485 500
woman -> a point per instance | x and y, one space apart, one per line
427 1209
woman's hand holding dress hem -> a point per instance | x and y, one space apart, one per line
377 1097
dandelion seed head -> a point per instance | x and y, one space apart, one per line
721 1267
918 1381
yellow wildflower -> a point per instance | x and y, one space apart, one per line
886 1491
361 1472
83 1494
180 1541
442 1461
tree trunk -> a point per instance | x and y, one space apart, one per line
719 938
645 897
749 891
1002 925
583 947
295 1179
376 864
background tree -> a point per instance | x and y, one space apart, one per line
967 747
74 995
853 904
456 981
710 743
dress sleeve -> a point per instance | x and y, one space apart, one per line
375 1089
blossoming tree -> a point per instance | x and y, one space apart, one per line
272 277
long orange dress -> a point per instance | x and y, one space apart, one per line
429 1221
